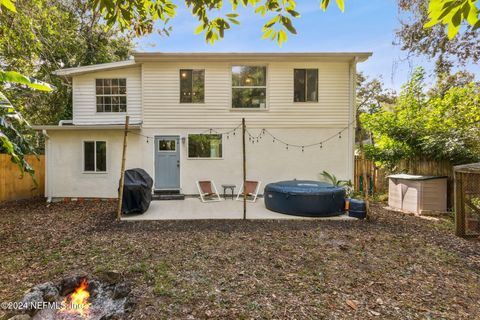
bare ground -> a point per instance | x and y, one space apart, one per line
394 266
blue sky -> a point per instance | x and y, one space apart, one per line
364 26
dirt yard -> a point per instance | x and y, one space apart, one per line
394 266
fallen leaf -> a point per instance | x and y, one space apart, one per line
352 304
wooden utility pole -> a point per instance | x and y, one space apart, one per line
122 170
244 171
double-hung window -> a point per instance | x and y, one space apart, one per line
249 87
305 85
192 86
94 156
111 95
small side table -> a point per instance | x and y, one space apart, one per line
226 187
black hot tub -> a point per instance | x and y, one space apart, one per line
305 198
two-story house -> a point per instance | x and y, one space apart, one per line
183 108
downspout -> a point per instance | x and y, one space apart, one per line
63 122
47 150
352 121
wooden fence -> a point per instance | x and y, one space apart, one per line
378 181
14 185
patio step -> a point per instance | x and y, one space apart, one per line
167 195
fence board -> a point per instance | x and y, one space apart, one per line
14 185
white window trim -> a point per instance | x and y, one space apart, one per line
267 81
110 95
318 87
198 158
180 86
94 156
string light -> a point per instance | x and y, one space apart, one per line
256 138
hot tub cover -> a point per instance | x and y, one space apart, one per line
305 198
137 191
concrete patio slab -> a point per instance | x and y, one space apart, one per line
194 209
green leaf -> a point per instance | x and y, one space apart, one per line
199 29
8 4
15 77
452 30
341 5
324 4
457 18
267 33
281 37
472 15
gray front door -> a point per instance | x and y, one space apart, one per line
167 162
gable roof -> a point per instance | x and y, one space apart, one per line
140 57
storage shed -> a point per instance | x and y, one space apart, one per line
417 194
467 200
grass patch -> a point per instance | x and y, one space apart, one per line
164 281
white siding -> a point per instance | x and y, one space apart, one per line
162 109
65 176
84 98
266 161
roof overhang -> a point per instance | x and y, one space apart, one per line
140 57
87 127
68 72
248 56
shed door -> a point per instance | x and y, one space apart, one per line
167 162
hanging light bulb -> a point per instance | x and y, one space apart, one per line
321 145
287 146
340 135
303 148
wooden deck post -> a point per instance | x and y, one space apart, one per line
122 170
244 171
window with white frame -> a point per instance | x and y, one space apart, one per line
95 156
111 95
204 145
305 85
249 87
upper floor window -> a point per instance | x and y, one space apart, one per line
192 86
111 95
94 156
249 87
305 87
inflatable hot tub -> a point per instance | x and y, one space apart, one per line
305 198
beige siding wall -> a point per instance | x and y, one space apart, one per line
161 92
84 98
